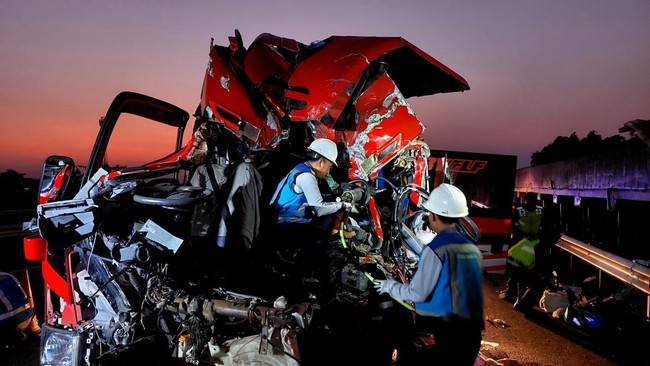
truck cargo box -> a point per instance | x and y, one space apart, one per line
488 181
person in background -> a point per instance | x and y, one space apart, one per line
527 218
526 259
447 288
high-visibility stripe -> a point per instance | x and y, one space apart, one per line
14 312
528 249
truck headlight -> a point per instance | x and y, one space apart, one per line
60 347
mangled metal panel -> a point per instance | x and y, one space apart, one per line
226 99
386 126
324 81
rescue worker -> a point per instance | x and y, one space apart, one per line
302 214
524 257
527 221
447 287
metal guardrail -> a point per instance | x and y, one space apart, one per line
12 233
624 270
11 222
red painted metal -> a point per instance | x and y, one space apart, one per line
385 128
227 96
53 193
35 248
420 174
333 79
376 218
331 73
57 283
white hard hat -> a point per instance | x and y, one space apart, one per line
325 148
447 200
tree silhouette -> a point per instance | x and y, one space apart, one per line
569 147
16 191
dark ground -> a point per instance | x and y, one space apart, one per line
530 340
536 339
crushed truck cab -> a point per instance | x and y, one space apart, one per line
127 271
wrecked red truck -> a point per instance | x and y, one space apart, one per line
129 270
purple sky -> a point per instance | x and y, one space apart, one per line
536 69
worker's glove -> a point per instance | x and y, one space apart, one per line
350 207
352 194
383 286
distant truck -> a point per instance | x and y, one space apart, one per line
488 181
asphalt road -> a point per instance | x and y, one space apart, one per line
533 340
526 340
23 354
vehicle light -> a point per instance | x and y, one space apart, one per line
60 347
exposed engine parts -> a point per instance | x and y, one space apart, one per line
158 259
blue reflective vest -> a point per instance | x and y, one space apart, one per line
290 204
459 289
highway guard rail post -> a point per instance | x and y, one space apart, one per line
624 270
11 222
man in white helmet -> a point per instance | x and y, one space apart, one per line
447 288
298 198
299 202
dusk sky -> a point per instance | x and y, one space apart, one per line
536 69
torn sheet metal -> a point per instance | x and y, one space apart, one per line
66 221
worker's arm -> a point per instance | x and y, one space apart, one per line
308 184
424 280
